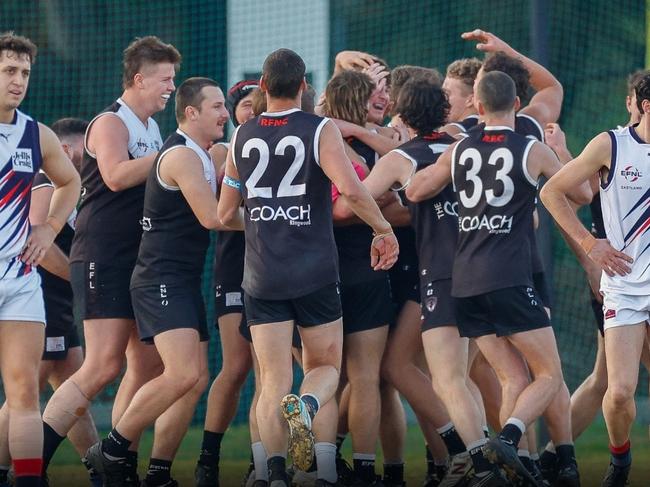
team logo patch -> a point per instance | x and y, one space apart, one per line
610 313
233 299
431 303
631 174
146 223
55 344
21 161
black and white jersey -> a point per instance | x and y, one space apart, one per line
496 198
597 223
353 241
57 292
290 249
436 219
466 124
108 224
174 242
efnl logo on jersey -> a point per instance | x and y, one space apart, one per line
631 174
296 215
21 161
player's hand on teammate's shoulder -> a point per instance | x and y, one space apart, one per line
384 250
487 42
554 137
612 261
38 243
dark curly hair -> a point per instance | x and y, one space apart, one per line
513 67
422 105
634 78
642 91
401 74
465 70
18 44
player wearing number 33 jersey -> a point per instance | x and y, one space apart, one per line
281 214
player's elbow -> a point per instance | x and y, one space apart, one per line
581 195
412 194
115 184
549 194
225 216
341 211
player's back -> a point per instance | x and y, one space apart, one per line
625 199
290 248
496 198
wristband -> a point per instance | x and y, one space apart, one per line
382 234
588 243
233 183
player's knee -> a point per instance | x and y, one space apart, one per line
236 373
364 379
621 393
202 382
183 379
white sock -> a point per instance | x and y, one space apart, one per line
259 460
326 461
523 453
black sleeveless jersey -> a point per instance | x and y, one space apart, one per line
435 220
229 252
174 243
597 223
57 292
108 228
290 250
353 241
496 199
466 124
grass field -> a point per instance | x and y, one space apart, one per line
66 471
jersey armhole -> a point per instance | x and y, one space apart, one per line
453 164
524 164
319 129
539 127
92 154
413 162
612 162
233 141
162 183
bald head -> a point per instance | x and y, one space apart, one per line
496 91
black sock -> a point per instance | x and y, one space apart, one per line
364 469
132 464
339 443
511 434
431 464
277 469
566 456
3 475
159 472
440 471
394 473
27 481
547 460
51 441
453 442
210 448
481 464
621 455
115 445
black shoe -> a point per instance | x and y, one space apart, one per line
537 473
431 480
504 455
364 483
345 471
568 477
325 483
114 471
260 483
96 479
548 466
206 475
616 476
492 479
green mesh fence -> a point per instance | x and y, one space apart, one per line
591 49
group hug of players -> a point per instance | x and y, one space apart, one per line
455 318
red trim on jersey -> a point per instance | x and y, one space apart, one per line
27 467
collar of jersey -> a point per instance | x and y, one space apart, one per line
282 113
498 127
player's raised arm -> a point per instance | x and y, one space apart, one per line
338 168
546 104
555 193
